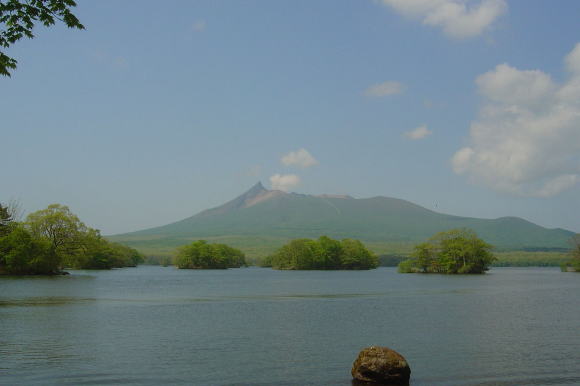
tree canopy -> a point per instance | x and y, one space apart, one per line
201 255
22 254
324 253
17 20
59 226
454 251
54 238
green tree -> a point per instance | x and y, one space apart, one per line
201 255
408 266
95 252
324 253
356 256
574 262
297 254
57 224
54 238
424 259
331 251
18 17
227 257
89 251
464 252
453 251
22 254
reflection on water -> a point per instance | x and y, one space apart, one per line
41 301
63 300
154 325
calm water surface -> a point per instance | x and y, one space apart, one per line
253 326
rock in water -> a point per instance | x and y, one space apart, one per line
381 365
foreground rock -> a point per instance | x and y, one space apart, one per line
381 365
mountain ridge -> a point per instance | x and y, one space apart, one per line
260 212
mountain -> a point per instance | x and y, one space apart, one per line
261 215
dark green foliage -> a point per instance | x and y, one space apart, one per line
390 260
164 261
574 263
298 254
54 238
330 253
17 19
354 255
407 266
22 254
60 227
201 255
324 253
99 253
454 251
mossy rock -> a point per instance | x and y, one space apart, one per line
381 365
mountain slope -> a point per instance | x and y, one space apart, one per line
262 213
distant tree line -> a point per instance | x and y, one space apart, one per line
201 255
52 239
391 260
574 263
530 259
457 251
161 260
324 253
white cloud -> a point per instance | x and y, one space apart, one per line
199 25
511 86
458 18
284 182
300 157
526 139
384 89
418 133
573 60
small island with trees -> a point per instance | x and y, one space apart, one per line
457 251
322 254
201 255
53 239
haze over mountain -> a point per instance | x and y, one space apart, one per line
262 213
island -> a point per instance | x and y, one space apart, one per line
53 239
457 251
322 254
202 255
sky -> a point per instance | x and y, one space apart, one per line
159 110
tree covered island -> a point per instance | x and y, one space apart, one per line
53 239
201 255
457 251
323 254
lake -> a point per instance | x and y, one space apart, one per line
256 326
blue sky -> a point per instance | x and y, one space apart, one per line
161 109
